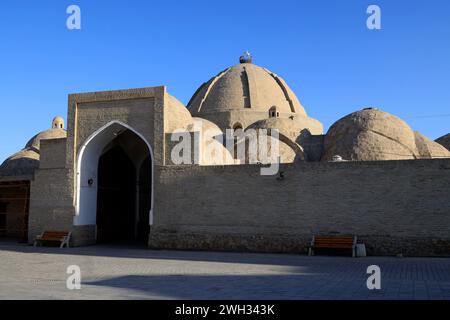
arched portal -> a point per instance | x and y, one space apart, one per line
115 184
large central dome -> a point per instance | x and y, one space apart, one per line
243 94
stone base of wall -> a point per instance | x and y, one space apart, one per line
408 246
228 242
375 246
84 235
49 219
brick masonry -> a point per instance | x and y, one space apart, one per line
393 206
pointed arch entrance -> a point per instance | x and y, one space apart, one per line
115 184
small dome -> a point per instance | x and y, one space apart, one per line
199 124
214 153
370 134
58 123
444 141
212 149
23 163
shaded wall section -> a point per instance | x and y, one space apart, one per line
14 208
393 206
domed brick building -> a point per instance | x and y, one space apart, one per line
246 93
138 165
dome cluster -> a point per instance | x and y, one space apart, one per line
252 100
26 161
210 136
249 97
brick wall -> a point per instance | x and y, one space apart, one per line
394 206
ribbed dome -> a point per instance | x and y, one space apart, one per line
245 86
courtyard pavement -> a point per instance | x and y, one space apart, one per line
121 272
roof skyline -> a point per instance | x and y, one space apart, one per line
331 61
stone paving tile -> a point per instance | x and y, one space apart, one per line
119 272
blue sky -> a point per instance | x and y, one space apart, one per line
322 48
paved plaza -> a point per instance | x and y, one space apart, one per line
126 272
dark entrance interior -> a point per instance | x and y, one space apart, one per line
124 188
14 208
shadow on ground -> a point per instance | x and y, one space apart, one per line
240 287
195 275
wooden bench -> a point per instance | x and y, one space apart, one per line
54 236
333 242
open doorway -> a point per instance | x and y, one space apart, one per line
123 188
115 185
116 203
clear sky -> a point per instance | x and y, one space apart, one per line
322 48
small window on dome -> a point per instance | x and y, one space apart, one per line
273 112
